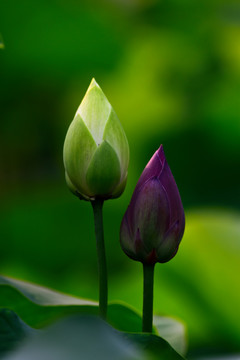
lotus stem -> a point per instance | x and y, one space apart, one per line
97 206
148 276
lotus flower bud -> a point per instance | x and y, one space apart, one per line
96 152
154 222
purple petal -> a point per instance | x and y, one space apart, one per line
154 222
150 213
139 246
169 246
176 208
152 169
126 238
142 254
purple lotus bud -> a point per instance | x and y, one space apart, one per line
154 222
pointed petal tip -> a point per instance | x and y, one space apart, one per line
160 153
156 163
92 84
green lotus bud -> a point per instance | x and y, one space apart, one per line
96 152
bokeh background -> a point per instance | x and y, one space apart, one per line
171 70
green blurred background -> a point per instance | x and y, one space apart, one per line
171 70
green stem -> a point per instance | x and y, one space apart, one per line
102 265
148 275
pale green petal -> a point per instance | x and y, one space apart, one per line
104 172
120 188
79 148
96 128
92 84
115 136
70 185
74 190
95 110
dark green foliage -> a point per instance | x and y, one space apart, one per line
171 71
38 306
12 331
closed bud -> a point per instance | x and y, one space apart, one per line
154 222
96 152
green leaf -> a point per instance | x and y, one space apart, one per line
43 296
124 318
173 331
78 337
12 330
89 337
38 306
154 346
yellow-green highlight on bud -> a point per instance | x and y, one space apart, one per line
96 151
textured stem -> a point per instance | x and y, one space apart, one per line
148 276
102 265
